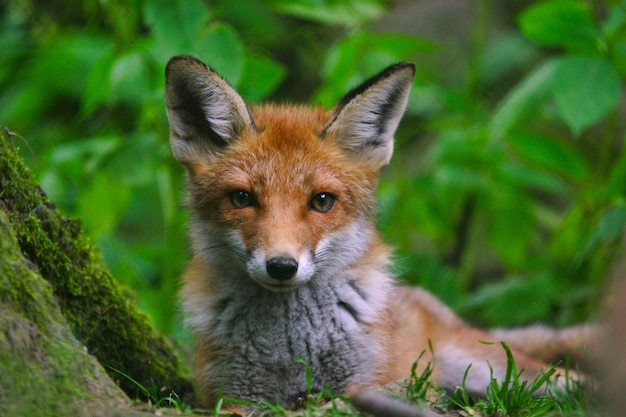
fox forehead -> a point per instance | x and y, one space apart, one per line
286 152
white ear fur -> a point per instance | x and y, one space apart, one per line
204 111
366 118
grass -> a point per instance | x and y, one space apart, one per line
155 396
419 387
511 397
314 405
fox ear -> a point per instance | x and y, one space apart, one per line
204 111
366 119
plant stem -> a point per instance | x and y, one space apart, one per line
479 39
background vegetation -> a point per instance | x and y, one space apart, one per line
507 194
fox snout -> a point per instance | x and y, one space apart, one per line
281 268
280 271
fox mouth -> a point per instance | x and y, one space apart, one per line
280 287
275 285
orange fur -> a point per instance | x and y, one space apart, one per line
292 266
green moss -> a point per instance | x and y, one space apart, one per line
101 314
45 370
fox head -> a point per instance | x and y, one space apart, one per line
283 195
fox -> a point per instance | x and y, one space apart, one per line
290 288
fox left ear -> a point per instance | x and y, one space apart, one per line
366 119
205 113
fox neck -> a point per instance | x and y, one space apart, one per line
327 322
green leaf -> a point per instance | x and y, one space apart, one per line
522 100
130 78
460 162
56 69
613 26
102 204
261 76
507 302
361 55
175 25
224 52
123 165
85 155
14 46
532 178
567 23
616 183
611 227
505 55
348 13
97 86
551 153
426 100
512 225
585 89
436 277
572 230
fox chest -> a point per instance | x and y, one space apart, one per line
274 343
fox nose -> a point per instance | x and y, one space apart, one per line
281 268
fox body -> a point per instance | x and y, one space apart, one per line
287 262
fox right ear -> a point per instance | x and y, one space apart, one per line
204 111
366 119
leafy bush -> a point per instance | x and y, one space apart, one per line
511 207
528 189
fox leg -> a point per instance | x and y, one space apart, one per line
472 359
424 322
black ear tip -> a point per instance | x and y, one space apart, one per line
401 66
396 69
410 66
181 61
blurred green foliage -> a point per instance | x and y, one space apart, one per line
507 194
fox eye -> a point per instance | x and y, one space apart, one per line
322 202
242 199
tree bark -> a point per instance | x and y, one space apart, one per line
64 321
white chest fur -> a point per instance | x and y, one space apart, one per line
263 333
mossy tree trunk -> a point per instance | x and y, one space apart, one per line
56 296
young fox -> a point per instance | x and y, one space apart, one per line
287 261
